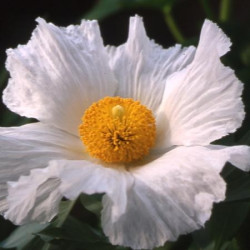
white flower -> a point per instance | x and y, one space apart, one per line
194 100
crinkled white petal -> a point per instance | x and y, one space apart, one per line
32 146
239 156
143 207
172 195
202 102
36 197
85 177
142 67
58 74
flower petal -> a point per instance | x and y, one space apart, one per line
142 67
86 177
172 195
239 156
32 146
184 182
33 198
202 102
63 70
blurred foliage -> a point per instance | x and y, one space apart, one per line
78 225
105 8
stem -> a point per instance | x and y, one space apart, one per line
225 10
206 7
172 25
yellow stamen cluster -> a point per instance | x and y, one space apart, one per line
117 129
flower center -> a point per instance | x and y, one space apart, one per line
116 129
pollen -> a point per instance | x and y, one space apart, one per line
118 130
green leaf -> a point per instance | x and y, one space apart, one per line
82 230
72 229
64 210
37 244
22 235
194 246
78 233
238 188
230 245
105 8
224 223
183 242
92 202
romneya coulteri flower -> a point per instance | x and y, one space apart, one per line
134 122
